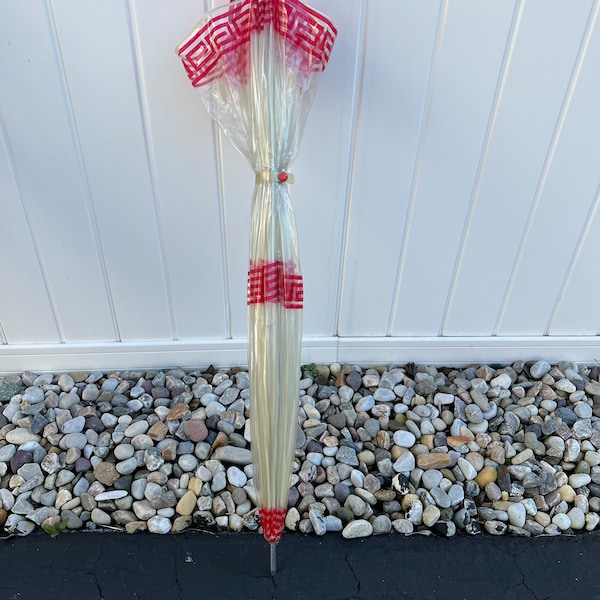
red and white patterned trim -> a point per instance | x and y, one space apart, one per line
272 520
276 282
211 49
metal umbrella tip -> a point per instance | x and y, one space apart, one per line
273 559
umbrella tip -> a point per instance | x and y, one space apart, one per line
273 559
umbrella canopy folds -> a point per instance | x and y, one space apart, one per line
256 64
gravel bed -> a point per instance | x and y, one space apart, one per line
497 450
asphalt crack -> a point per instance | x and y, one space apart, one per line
523 583
356 595
94 576
178 585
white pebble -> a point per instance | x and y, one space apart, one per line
235 522
158 524
578 480
562 521
404 439
517 514
236 477
577 518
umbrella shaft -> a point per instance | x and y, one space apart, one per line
273 558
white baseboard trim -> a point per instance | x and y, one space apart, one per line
441 351
460 351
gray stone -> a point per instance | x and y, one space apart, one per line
456 494
48 498
431 515
7 452
10 387
136 428
75 425
539 369
124 451
441 498
33 395
467 469
381 525
357 529
566 414
503 381
100 517
592 388
138 488
38 423
20 436
73 440
495 527
187 462
65 382
125 467
404 439
318 521
39 515
142 442
333 523
233 454
7 500
384 395
22 506
90 393
582 430
21 528
64 477
405 463
347 455
365 404
153 459
403 526
356 504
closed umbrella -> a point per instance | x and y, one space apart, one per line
256 64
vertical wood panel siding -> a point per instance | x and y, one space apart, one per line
447 187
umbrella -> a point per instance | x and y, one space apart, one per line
256 64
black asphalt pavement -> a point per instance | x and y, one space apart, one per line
192 566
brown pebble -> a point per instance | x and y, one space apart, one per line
135 526
158 431
435 460
455 441
196 430
169 452
106 473
79 377
385 495
3 517
178 412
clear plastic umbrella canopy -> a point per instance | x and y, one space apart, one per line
256 65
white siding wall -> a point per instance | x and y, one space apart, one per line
446 189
